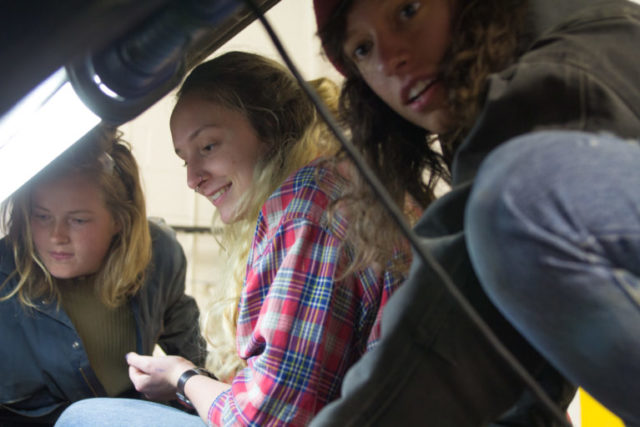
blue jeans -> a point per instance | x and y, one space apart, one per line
553 230
117 412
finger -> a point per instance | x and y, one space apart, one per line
139 361
135 374
136 371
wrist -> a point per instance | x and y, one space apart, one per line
186 376
178 369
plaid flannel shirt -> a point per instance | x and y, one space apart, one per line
300 324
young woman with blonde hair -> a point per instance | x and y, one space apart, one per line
237 236
84 279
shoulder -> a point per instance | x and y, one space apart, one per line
579 76
160 231
596 36
305 194
164 244
163 237
165 273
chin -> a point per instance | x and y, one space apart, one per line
231 217
63 275
225 217
437 121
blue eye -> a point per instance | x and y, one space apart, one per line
79 221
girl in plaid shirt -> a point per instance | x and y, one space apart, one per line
309 302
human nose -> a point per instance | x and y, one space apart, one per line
59 232
194 175
393 53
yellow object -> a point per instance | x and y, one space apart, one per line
593 414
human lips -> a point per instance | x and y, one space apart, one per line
216 195
60 256
417 88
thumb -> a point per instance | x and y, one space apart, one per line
138 361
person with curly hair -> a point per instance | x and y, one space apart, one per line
525 107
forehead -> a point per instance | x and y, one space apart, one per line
195 115
192 111
73 189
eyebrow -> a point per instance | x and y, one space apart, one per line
78 211
202 128
195 134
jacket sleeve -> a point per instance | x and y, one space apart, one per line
180 334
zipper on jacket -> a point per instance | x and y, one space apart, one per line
86 380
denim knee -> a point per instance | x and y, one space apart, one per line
489 218
553 230
529 197
567 191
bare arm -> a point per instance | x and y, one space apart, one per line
157 378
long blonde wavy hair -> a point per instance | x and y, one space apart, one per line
285 121
101 156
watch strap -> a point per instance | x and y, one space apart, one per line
182 397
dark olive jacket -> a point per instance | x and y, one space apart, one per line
580 70
43 364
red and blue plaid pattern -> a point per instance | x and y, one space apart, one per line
301 325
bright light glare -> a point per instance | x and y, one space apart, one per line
105 89
39 128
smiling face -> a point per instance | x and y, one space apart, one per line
398 47
220 149
71 226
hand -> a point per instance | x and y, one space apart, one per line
156 376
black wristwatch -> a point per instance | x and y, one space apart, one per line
183 380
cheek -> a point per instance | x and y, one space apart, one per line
245 179
38 235
379 85
95 250
245 168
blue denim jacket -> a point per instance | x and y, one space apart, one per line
43 364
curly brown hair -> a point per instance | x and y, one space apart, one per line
486 36
488 39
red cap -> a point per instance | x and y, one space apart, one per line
324 10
